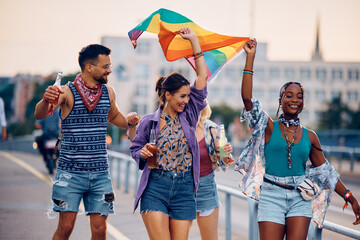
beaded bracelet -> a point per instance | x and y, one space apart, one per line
346 195
132 126
248 72
197 55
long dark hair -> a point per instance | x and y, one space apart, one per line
171 83
282 91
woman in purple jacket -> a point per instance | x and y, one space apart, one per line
167 192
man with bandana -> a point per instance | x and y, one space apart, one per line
86 106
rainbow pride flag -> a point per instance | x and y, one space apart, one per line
218 49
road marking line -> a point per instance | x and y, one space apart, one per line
31 169
110 228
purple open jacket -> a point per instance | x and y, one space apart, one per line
188 120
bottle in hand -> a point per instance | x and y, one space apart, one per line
222 142
153 149
58 85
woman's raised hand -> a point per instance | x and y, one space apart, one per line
250 47
187 33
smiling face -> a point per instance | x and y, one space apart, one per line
292 101
177 101
102 69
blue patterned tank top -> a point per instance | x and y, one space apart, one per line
83 146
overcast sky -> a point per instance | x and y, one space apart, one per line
42 36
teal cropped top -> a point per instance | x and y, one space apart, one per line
276 154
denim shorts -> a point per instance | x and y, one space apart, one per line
277 203
171 193
207 196
95 190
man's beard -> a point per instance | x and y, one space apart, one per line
101 79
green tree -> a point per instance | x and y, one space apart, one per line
355 116
28 126
337 116
225 113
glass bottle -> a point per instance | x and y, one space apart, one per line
153 149
58 85
222 142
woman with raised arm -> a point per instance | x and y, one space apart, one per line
167 191
207 199
276 158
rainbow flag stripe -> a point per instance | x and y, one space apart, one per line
218 49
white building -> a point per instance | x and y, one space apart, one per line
136 71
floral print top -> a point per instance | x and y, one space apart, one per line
174 154
251 164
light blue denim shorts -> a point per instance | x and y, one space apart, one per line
95 190
207 196
277 203
171 193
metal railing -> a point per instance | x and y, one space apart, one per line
253 233
343 152
119 161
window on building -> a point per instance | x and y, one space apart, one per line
162 71
143 48
141 90
230 92
214 93
320 96
140 109
321 74
259 74
335 94
307 96
142 71
290 74
185 72
305 74
274 73
273 94
258 93
120 72
336 74
353 75
352 96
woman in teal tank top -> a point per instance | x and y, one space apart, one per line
276 154
283 147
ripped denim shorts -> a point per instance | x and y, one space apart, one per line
171 193
95 190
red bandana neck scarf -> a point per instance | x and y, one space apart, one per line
89 95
